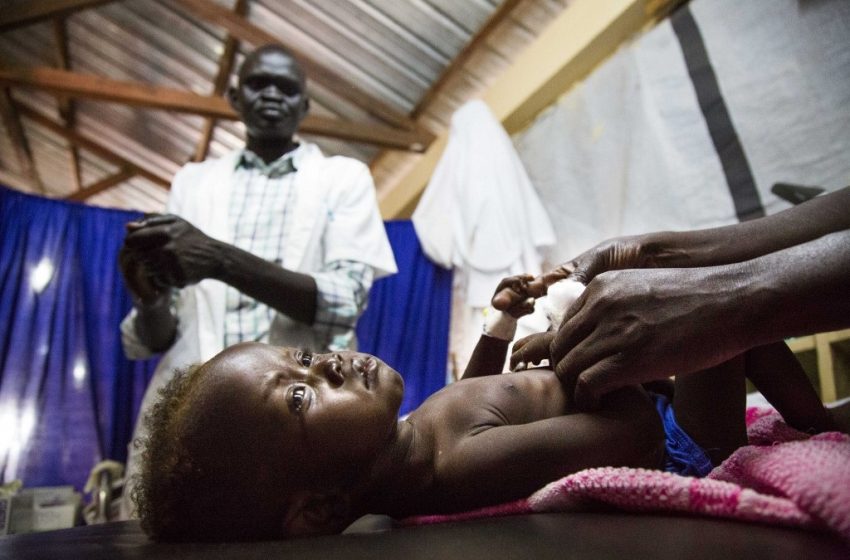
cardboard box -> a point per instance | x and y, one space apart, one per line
43 509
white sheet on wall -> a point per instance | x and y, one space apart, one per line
784 70
628 150
479 213
481 216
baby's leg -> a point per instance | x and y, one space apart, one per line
710 405
777 374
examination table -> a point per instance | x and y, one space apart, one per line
539 536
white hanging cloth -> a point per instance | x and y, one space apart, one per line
480 212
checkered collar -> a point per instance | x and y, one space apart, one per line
287 163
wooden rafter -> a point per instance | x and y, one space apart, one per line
67 110
25 13
144 95
225 66
455 66
15 130
11 179
93 146
244 30
106 183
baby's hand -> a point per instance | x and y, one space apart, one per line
515 295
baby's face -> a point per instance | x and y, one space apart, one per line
322 410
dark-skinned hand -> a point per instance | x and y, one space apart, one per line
618 253
174 251
639 325
613 254
139 279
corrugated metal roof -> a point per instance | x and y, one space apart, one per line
392 50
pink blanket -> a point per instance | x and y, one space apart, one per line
783 477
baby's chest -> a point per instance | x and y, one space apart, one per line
500 400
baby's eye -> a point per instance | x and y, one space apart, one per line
297 400
305 358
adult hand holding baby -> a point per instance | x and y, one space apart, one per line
634 326
668 303
613 254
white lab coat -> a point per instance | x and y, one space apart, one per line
337 219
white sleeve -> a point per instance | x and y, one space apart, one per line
355 230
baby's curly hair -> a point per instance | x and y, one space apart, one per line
194 483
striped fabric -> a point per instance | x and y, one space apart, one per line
261 198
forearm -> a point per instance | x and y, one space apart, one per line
288 292
488 357
803 289
155 324
748 240
796 291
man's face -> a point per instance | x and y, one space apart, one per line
323 411
271 97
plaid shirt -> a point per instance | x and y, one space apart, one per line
261 198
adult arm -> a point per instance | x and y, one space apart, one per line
182 255
637 325
355 250
715 246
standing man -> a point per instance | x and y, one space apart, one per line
273 243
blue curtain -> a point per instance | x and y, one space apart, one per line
69 398
407 321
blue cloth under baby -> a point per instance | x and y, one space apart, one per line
683 455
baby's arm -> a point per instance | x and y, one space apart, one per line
488 357
515 297
508 462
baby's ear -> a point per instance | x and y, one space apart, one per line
314 513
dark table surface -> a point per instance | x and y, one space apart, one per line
540 536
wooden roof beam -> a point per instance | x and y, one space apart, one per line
496 18
12 123
26 13
225 67
106 183
93 146
144 95
244 30
11 179
67 110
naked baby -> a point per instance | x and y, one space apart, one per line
267 442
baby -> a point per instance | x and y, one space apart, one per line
266 442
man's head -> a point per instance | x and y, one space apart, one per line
271 96
265 442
